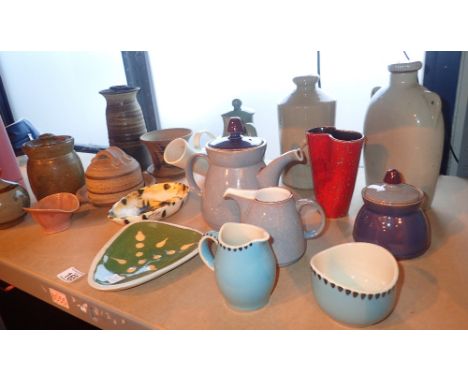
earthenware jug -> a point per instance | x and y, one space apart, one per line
53 165
245 116
405 130
235 161
244 264
334 156
13 198
392 217
307 107
125 122
275 210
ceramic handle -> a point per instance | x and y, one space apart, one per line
189 171
197 137
204 248
300 204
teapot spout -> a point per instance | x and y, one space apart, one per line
269 175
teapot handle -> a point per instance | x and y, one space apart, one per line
300 204
197 138
189 172
204 249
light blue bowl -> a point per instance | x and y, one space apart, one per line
355 283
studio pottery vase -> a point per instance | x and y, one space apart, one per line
405 130
125 122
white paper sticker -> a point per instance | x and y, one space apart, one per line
70 275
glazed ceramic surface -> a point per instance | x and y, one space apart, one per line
155 202
156 143
13 198
275 210
54 212
53 165
334 157
238 163
392 217
125 122
140 252
244 264
111 175
355 283
307 107
405 130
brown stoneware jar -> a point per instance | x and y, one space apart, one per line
53 165
125 122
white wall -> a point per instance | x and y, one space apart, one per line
59 91
196 84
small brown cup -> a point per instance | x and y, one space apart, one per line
156 142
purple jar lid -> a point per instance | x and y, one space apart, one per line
391 192
235 140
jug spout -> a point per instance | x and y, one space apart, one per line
243 198
269 175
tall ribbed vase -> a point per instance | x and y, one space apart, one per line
306 108
125 122
404 128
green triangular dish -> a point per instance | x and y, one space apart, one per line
140 252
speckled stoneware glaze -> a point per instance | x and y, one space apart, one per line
275 210
140 252
392 217
244 264
235 161
355 283
155 202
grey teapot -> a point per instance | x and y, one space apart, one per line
236 161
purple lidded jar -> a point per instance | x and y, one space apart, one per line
392 218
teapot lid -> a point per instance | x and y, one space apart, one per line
392 192
235 140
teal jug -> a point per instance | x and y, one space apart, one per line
244 264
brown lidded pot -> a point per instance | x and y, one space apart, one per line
111 175
53 165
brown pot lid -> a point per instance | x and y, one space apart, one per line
111 163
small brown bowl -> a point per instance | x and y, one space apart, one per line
54 212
